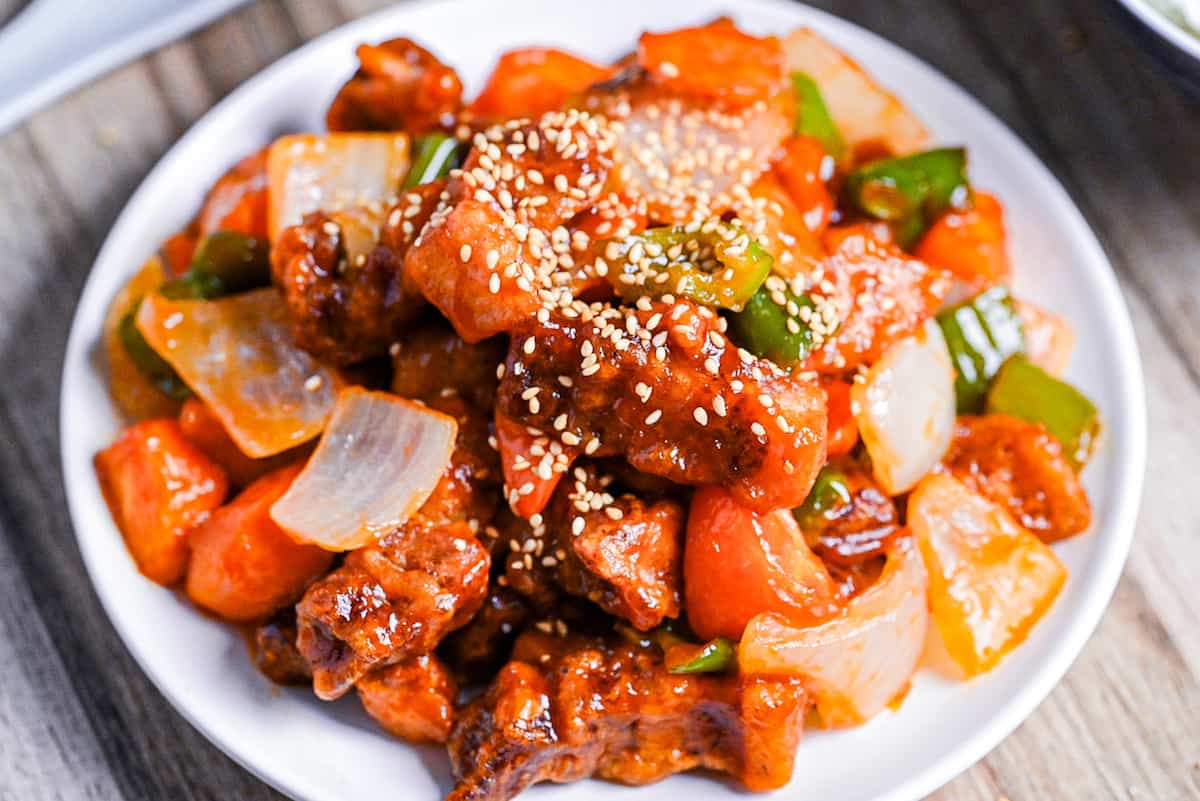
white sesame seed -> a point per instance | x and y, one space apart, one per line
700 415
313 383
464 253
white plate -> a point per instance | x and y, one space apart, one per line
330 752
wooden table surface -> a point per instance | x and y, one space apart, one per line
79 721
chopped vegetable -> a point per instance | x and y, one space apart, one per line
866 114
1049 338
910 192
714 61
202 427
803 168
243 566
1026 391
969 243
135 391
990 580
308 172
717 265
829 491
980 335
812 116
238 200
158 485
225 263
532 81
738 564
519 463
768 329
905 409
435 155
714 656
147 361
841 429
858 662
380 457
237 353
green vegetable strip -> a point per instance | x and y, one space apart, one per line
225 263
911 191
830 491
436 155
980 334
1024 390
767 329
161 374
812 116
717 265
716 656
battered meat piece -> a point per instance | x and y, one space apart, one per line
469 490
661 385
275 651
847 534
399 86
624 556
390 601
479 648
611 710
412 700
344 309
432 358
1020 466
492 253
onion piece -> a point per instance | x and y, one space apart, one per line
863 110
238 355
856 663
377 463
905 409
332 172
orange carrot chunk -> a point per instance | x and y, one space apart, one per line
158 486
534 80
245 567
970 244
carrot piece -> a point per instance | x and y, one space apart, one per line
970 244
803 167
520 468
158 486
202 427
841 430
715 61
245 567
990 579
238 200
878 232
177 252
534 80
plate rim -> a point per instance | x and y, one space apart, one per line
1095 597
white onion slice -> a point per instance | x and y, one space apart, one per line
238 355
378 461
332 172
856 663
905 409
862 109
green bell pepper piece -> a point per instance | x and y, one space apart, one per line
714 656
225 263
812 116
436 154
910 192
831 490
1024 390
154 367
981 334
718 265
767 329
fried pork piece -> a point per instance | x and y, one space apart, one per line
346 294
399 86
433 358
479 648
623 554
492 252
662 386
412 700
275 651
1020 466
469 490
881 296
848 534
390 601
593 708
